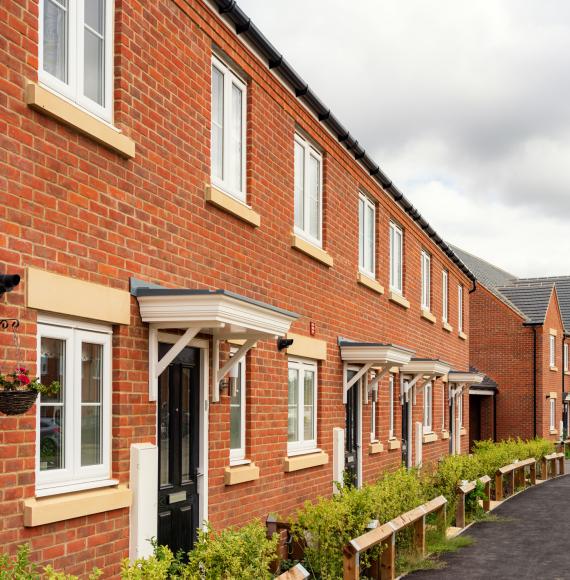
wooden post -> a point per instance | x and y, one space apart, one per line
561 465
420 536
543 469
487 500
388 559
460 513
552 467
499 486
533 473
351 568
512 482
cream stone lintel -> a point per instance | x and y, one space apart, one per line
375 447
398 299
567 373
428 316
369 283
554 431
446 326
305 346
430 437
554 369
463 431
44 101
553 395
63 295
297 462
47 510
241 473
393 444
311 250
230 205
444 434
462 335
553 331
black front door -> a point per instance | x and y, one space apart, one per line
351 433
405 434
179 437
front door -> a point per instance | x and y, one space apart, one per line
405 434
351 438
179 436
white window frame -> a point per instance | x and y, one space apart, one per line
365 250
228 159
237 455
391 403
426 280
303 445
460 308
73 476
428 408
73 89
566 357
460 410
552 413
396 259
552 341
445 295
310 151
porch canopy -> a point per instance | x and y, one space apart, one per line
225 315
424 370
460 380
376 356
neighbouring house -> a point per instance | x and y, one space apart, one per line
239 305
520 342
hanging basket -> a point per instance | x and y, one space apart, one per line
16 402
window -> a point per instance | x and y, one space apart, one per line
552 406
552 351
445 295
73 439
302 431
391 418
460 410
373 422
426 280
396 246
565 358
76 52
460 308
428 407
237 416
228 130
308 191
366 235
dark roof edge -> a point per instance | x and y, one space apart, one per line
275 60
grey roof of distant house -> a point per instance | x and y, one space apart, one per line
531 300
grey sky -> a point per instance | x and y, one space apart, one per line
465 105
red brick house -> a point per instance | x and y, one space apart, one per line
520 342
174 195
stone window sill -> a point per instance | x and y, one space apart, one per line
393 444
430 437
554 431
311 250
447 327
445 434
462 335
428 316
554 369
370 283
567 373
398 299
231 205
553 395
58 508
48 103
375 447
297 462
241 473
463 431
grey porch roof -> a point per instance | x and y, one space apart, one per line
488 383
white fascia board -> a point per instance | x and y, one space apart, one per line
433 367
465 378
379 355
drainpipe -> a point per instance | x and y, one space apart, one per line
565 413
534 376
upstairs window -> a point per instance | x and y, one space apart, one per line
302 430
396 258
460 308
76 52
426 280
445 295
308 191
428 407
366 235
566 358
391 411
552 351
228 130
552 409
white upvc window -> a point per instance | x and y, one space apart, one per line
391 411
373 409
237 416
565 357
552 351
396 257
73 443
308 191
426 280
228 138
460 410
445 295
460 308
552 408
302 423
76 52
366 235
428 407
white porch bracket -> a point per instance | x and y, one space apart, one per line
373 384
409 385
420 388
347 384
219 373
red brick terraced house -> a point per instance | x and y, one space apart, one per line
520 342
238 303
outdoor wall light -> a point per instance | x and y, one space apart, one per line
230 383
283 343
8 282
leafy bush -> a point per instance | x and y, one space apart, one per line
158 566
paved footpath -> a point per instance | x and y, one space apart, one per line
533 542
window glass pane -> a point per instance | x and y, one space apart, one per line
299 186
236 414
164 428
361 233
91 372
217 123
309 404
314 197
91 435
236 139
391 427
94 56
55 33
293 427
51 437
91 398
185 423
52 365
369 239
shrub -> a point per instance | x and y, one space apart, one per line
158 566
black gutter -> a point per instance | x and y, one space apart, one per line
275 60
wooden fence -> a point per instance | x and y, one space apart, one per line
466 488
